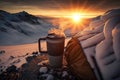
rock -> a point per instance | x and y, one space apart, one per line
59 73
11 57
43 70
34 53
25 65
16 61
72 77
2 52
29 58
26 54
51 71
43 76
1 70
11 69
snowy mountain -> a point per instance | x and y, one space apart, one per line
20 28
101 44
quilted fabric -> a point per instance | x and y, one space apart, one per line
77 61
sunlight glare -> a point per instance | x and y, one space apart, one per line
76 17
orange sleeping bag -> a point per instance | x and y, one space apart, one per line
77 61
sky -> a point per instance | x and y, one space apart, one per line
59 7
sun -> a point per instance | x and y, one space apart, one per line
76 17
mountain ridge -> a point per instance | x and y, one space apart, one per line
22 26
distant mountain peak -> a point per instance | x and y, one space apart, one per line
23 27
23 12
4 12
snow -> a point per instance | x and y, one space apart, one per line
92 41
116 40
65 73
110 13
86 37
25 28
43 70
110 24
90 52
18 52
50 77
101 40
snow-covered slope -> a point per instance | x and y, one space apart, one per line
101 44
20 28
16 54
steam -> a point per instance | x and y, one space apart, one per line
67 24
57 32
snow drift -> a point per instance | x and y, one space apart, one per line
101 44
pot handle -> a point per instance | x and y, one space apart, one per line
39 45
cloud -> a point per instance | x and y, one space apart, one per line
95 5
